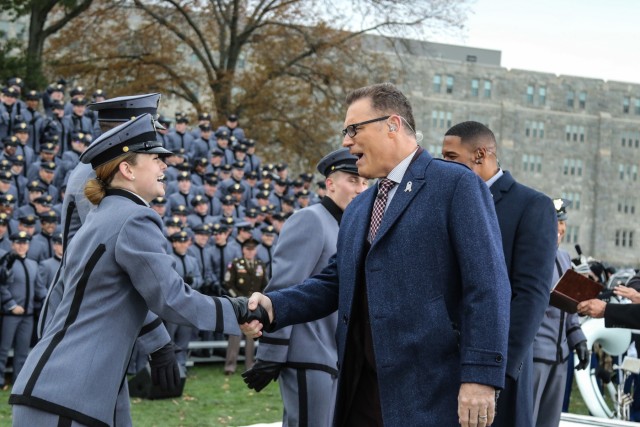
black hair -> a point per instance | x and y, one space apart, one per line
471 132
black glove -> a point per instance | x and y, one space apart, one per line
261 374
243 314
164 368
582 351
10 259
188 280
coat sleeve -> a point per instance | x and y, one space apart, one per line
153 334
532 267
484 310
622 316
139 250
574 332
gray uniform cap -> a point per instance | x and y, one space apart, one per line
125 108
339 160
135 136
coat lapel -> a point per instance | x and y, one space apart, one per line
411 184
501 186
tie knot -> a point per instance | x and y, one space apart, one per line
385 185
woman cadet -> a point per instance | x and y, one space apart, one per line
116 270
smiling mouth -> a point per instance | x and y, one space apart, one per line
162 179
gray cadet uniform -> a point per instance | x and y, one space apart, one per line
116 263
18 289
309 377
558 334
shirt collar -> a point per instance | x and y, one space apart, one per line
494 178
398 172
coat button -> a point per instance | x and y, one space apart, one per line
345 319
499 358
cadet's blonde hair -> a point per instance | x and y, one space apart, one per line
96 188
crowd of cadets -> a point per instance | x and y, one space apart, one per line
219 194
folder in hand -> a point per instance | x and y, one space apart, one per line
573 288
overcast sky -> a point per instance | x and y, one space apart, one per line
587 38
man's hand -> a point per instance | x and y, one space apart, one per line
18 309
476 405
10 259
627 292
593 307
582 351
164 368
251 321
258 299
261 374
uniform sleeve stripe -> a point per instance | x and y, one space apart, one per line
219 316
274 341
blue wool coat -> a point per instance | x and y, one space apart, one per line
437 289
528 225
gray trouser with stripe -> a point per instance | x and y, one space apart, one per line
308 396
549 382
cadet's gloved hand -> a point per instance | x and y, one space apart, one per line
261 374
188 280
164 368
10 259
582 351
244 315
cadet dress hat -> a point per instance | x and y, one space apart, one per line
15 81
79 101
57 239
10 141
50 217
204 116
99 93
173 221
232 118
222 134
125 108
339 160
199 200
561 206
159 201
204 229
7 199
32 95
78 90
48 148
20 127
10 92
20 236
268 229
45 200
135 136
179 210
6 176
180 236
28 220
4 219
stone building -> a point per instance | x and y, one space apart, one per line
571 137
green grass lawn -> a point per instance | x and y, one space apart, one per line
213 399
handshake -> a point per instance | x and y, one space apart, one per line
244 315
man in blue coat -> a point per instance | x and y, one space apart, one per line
419 281
528 227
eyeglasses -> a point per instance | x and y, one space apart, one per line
352 130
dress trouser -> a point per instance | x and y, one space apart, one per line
549 381
15 333
308 397
233 348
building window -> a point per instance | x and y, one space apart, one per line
475 87
534 129
572 167
529 97
621 172
626 101
437 82
624 238
542 95
574 133
441 118
435 151
572 235
531 163
582 100
574 198
637 109
570 98
449 84
487 89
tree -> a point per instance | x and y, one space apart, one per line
285 64
40 14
